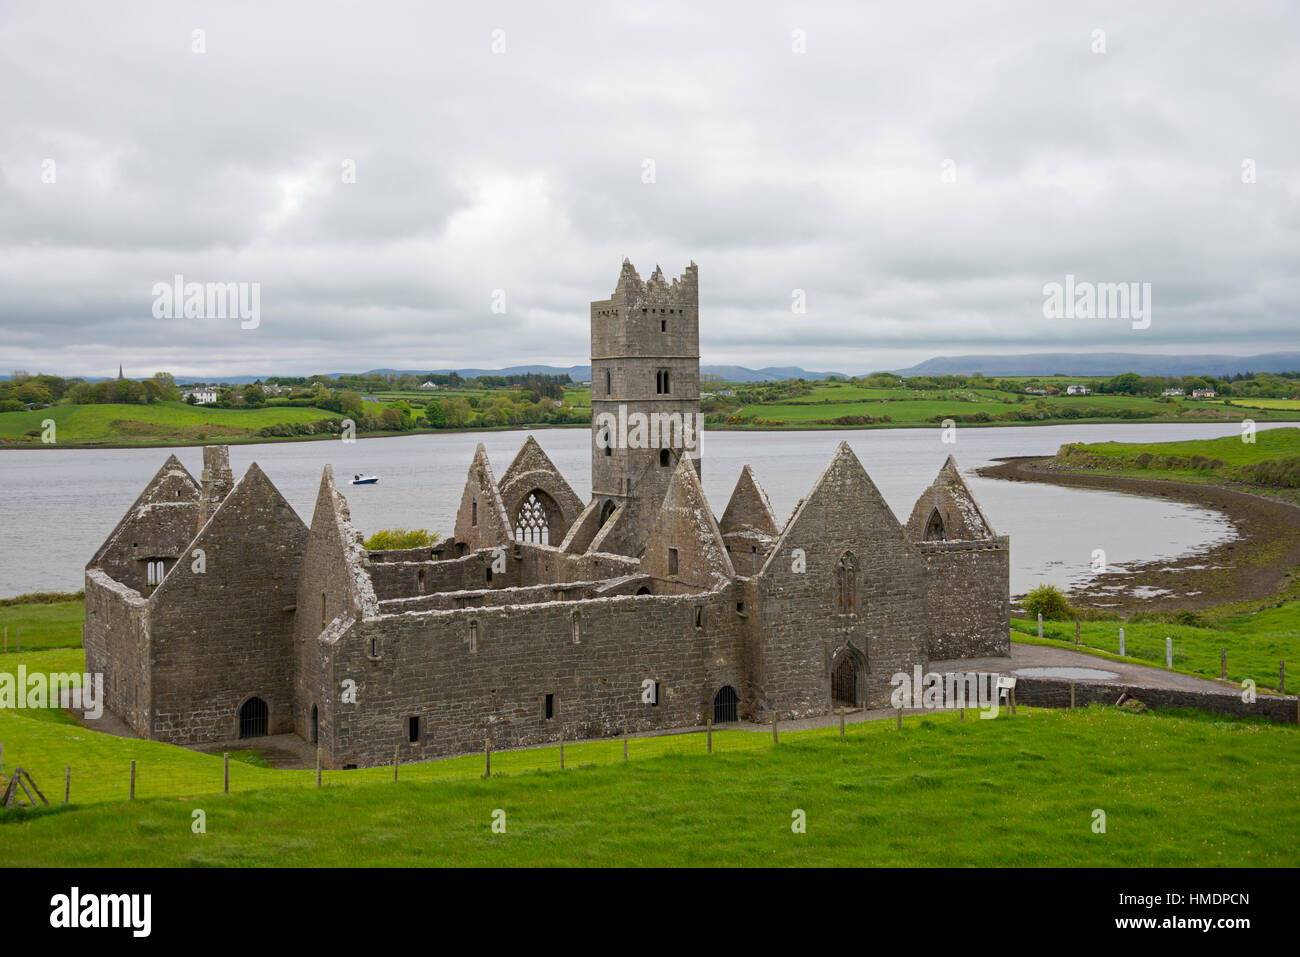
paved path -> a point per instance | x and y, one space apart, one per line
1046 656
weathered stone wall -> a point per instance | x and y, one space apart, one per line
425 668
526 595
1055 693
799 628
117 646
334 591
225 635
968 598
158 526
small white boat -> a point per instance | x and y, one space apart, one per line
360 479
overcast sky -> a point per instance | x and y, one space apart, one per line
523 171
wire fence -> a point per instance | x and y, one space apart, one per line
71 764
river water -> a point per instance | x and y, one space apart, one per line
59 505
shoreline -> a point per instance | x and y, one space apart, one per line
278 440
1254 566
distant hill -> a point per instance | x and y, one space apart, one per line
1104 364
577 373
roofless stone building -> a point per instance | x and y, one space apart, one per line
214 613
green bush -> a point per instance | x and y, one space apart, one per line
400 538
1048 600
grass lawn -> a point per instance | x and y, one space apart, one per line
1018 792
149 424
1255 642
54 625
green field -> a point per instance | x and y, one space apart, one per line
155 424
1290 405
53 625
1256 642
1008 792
1272 459
912 407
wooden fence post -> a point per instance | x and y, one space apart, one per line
774 726
1169 652
900 717
67 784
1040 626
841 722
708 730
1223 662
397 750
226 762
561 750
487 757
318 764
133 779
625 745
1121 642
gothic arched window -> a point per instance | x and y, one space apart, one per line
533 523
846 584
934 530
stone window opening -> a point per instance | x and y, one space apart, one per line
533 523
672 561
413 729
419 581
699 616
473 637
473 512
665 458
608 382
549 707
934 530
846 585
577 628
663 327
661 382
324 620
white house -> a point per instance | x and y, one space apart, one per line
1203 393
1173 391
201 396
428 385
1078 390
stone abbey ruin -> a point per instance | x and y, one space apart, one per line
215 613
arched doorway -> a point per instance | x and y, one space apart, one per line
844 682
252 718
643 590
535 517
606 511
934 530
726 705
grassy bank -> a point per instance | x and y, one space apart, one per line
1272 459
1255 642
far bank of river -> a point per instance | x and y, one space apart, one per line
60 505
